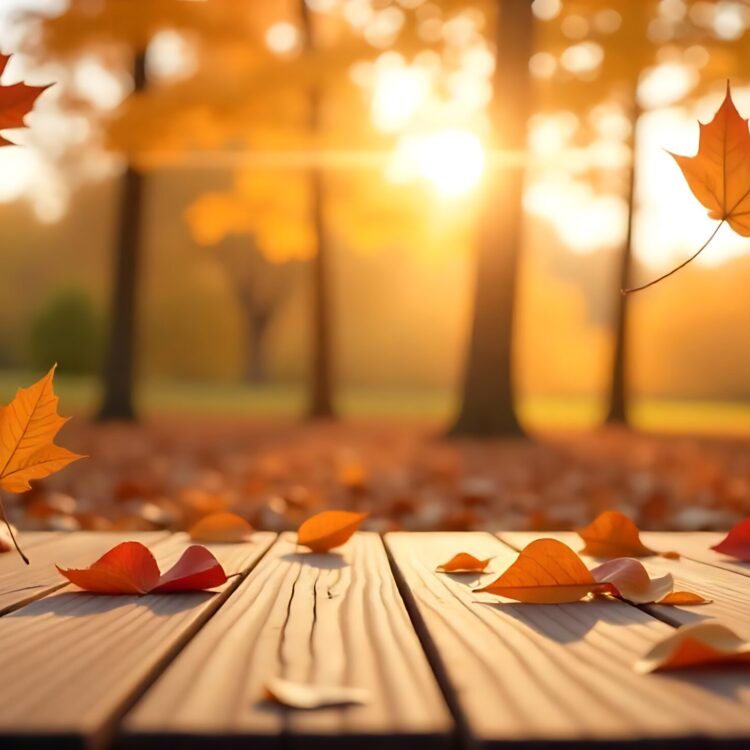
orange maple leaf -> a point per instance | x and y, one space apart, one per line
16 101
28 426
329 529
719 175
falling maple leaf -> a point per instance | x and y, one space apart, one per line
613 534
221 527
28 426
695 645
737 542
546 572
16 101
130 568
719 175
300 695
463 562
329 529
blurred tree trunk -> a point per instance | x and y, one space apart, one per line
487 406
320 397
256 371
119 363
618 389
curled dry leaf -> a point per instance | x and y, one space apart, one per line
613 534
631 581
130 568
546 572
221 527
300 695
683 599
699 644
329 529
737 542
463 562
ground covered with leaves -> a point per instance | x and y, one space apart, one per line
169 472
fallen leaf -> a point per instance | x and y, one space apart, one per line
300 695
546 572
16 101
683 599
329 529
613 534
670 555
698 644
130 568
737 542
196 570
221 527
631 581
463 562
28 426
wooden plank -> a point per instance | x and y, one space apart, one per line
696 545
320 619
525 673
730 593
73 662
29 540
21 583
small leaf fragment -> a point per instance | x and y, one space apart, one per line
221 527
463 562
698 644
329 529
303 696
546 572
683 599
613 534
737 542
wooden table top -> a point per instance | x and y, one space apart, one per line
443 667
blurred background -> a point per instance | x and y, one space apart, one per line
396 211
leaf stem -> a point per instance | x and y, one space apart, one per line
676 268
10 531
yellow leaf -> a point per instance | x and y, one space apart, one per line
28 426
613 534
221 527
683 599
329 529
299 695
546 572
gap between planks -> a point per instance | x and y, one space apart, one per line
86 658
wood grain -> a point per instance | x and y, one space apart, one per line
73 662
334 619
21 583
729 592
554 673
